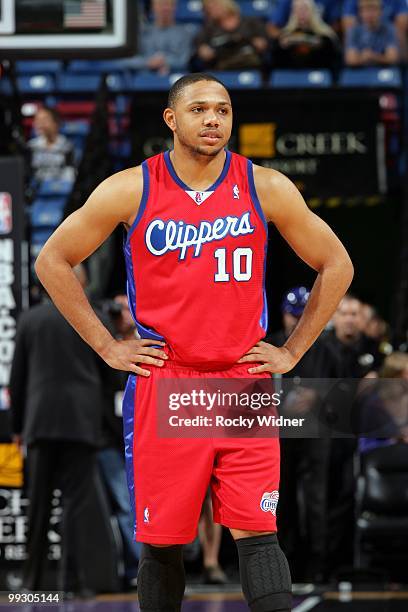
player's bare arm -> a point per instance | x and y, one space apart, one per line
314 242
113 202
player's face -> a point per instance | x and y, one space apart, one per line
202 118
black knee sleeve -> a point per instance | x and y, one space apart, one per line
160 578
265 575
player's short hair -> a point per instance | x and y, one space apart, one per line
185 81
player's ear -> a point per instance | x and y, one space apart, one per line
170 118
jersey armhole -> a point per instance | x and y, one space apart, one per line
143 201
254 195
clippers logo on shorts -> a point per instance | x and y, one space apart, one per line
269 502
6 223
146 515
163 236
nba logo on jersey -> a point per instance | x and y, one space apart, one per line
6 224
269 502
146 515
198 197
235 192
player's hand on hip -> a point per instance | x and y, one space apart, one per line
130 355
274 359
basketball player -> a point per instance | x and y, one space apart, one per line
195 250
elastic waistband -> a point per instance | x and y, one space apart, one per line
240 369
198 367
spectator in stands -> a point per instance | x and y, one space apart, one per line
372 41
111 456
52 154
360 357
393 11
329 10
229 41
375 327
359 354
384 405
306 41
165 46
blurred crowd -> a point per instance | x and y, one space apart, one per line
297 34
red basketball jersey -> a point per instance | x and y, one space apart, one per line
196 264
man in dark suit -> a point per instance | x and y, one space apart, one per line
57 406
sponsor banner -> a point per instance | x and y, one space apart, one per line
14 527
330 145
13 274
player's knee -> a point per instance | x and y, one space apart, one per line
161 579
265 575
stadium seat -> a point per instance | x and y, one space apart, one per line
36 84
382 505
370 77
151 81
47 212
76 131
240 79
38 238
75 128
300 78
118 82
78 83
121 149
256 8
38 66
75 109
55 188
5 87
97 66
189 11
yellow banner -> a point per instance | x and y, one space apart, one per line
11 466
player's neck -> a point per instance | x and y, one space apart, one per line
199 171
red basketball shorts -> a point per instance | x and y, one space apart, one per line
168 477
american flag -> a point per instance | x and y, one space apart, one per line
84 13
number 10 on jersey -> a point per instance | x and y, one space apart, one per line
241 264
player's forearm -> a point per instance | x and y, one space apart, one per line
330 286
66 292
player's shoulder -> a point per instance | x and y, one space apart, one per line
129 179
270 179
278 196
118 195
126 185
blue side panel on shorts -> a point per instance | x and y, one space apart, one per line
128 411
